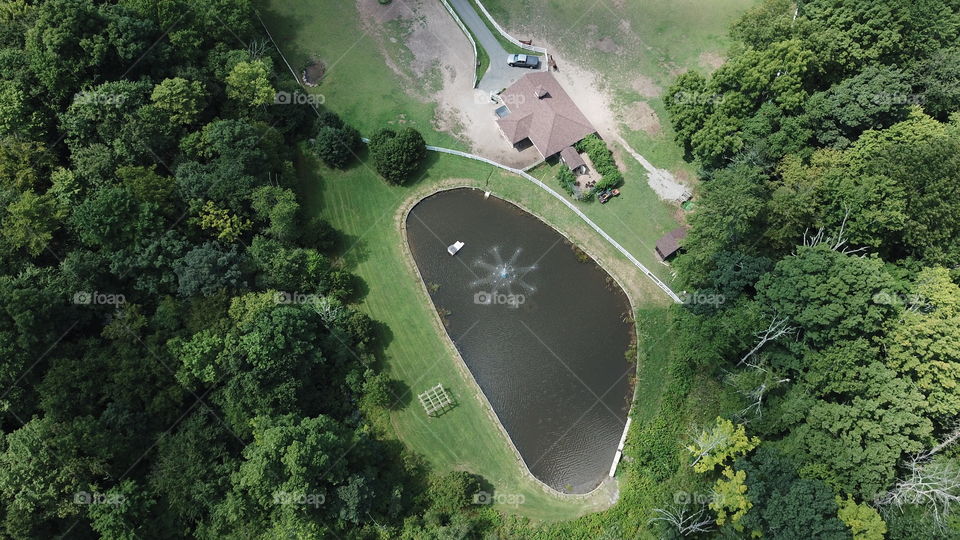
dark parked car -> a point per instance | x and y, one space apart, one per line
523 60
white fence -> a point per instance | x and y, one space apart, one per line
545 187
504 33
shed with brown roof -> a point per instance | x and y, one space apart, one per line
574 160
669 244
543 112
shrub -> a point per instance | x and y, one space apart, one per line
453 491
566 179
329 119
603 161
336 146
397 155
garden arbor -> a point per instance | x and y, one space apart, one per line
436 401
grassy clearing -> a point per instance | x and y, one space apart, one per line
368 94
637 47
365 209
359 86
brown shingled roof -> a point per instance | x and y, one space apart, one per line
541 110
572 158
669 243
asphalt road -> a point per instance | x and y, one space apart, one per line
499 75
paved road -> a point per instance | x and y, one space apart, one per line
499 75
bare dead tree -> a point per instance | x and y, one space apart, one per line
257 48
754 384
837 243
706 441
684 519
934 485
953 437
330 312
779 327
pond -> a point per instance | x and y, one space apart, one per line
540 326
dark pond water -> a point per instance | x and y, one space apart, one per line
542 332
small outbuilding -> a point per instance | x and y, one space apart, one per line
669 244
572 159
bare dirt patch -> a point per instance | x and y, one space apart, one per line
645 86
711 61
427 50
640 116
684 177
314 72
607 45
584 87
372 10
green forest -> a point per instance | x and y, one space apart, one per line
183 354
178 344
829 220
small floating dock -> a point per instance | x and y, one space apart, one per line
453 248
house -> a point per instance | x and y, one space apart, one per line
669 244
541 113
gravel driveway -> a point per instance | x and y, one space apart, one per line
499 75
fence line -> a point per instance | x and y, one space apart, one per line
666 288
515 41
269 35
504 33
476 57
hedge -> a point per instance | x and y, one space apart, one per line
602 158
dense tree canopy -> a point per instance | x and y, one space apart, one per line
178 356
828 143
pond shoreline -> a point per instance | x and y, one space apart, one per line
607 483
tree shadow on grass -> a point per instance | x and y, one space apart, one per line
423 173
359 289
351 250
383 335
402 393
280 24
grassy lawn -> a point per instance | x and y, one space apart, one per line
365 209
359 86
636 219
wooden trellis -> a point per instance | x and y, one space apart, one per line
436 400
